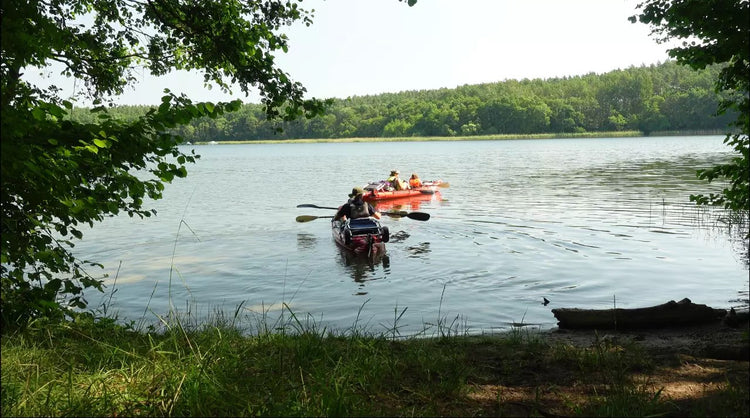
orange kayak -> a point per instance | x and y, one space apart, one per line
383 191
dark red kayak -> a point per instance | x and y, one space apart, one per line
365 236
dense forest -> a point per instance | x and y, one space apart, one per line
655 98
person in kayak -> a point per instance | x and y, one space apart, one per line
396 182
355 207
414 181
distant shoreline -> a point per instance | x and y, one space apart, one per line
498 137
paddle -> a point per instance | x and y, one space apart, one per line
433 184
308 218
308 205
417 216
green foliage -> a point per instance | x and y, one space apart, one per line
59 173
737 195
712 32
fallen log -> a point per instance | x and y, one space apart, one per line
669 314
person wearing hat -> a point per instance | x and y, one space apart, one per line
396 182
356 207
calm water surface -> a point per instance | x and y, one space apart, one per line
582 222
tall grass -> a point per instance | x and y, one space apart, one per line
97 367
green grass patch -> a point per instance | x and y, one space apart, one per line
96 367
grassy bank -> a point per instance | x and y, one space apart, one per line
98 368
613 134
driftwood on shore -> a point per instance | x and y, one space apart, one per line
668 314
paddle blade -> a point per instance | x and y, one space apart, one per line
308 218
309 205
436 184
418 216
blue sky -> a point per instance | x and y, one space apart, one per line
363 47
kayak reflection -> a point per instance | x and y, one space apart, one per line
306 241
364 269
407 203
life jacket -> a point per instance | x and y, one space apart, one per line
397 183
415 183
358 209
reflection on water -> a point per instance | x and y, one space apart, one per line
736 228
306 241
363 269
577 221
419 250
409 203
399 236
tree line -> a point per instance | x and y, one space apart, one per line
663 97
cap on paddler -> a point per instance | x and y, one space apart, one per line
356 191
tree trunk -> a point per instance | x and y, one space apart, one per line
669 314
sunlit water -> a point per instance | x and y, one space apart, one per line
588 223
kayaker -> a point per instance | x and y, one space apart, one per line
355 207
396 182
414 181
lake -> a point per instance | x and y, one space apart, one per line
589 223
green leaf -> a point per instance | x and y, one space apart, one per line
53 285
38 114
